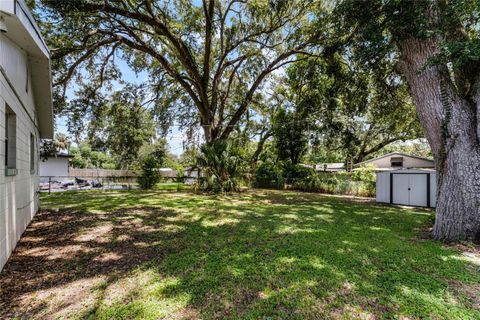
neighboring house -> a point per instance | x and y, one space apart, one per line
394 160
398 160
167 172
57 166
192 174
330 167
26 116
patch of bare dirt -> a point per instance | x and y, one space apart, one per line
184 314
469 247
468 293
64 256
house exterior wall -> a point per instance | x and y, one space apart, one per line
54 167
408 162
18 193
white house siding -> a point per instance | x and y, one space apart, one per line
18 194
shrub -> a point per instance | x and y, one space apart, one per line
317 182
310 183
223 165
295 172
148 176
336 183
358 183
268 175
366 175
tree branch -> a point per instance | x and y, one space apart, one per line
274 65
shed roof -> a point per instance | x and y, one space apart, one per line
406 170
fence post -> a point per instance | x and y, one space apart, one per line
49 185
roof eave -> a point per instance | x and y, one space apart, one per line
25 33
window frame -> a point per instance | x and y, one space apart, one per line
32 153
10 115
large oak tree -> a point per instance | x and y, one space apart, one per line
210 56
438 50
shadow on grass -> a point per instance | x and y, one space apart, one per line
264 254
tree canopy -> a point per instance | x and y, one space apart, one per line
351 108
122 126
204 59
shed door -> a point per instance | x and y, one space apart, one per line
400 189
410 189
418 189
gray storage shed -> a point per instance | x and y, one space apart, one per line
411 187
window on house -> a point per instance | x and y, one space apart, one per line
10 141
32 153
396 161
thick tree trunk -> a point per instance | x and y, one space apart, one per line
458 195
450 125
210 132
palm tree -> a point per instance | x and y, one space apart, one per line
62 142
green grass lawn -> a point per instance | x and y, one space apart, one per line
264 254
172 186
